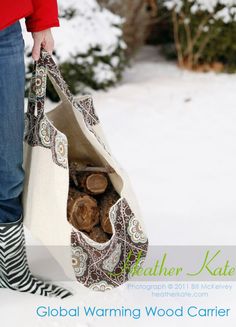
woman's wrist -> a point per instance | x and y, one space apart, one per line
42 39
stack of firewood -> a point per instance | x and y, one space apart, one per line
91 195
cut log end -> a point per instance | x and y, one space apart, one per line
96 183
82 211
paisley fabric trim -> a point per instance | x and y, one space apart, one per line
38 129
40 132
105 267
83 104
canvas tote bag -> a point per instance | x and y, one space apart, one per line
72 131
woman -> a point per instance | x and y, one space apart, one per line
40 15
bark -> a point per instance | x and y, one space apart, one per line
106 202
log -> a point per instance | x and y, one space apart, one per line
92 183
89 179
105 203
76 167
98 235
82 210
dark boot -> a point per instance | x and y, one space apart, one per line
14 270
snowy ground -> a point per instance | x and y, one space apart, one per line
174 133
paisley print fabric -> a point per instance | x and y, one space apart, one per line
39 131
135 231
109 266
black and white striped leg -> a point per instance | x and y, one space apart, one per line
14 270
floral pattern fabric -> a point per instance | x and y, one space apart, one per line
105 267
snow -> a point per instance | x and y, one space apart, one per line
226 14
103 73
174 133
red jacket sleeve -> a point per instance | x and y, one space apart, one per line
45 15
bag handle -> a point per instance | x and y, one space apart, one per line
44 67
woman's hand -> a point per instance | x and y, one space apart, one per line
42 39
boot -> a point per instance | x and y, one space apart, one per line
14 270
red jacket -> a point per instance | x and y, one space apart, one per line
40 14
